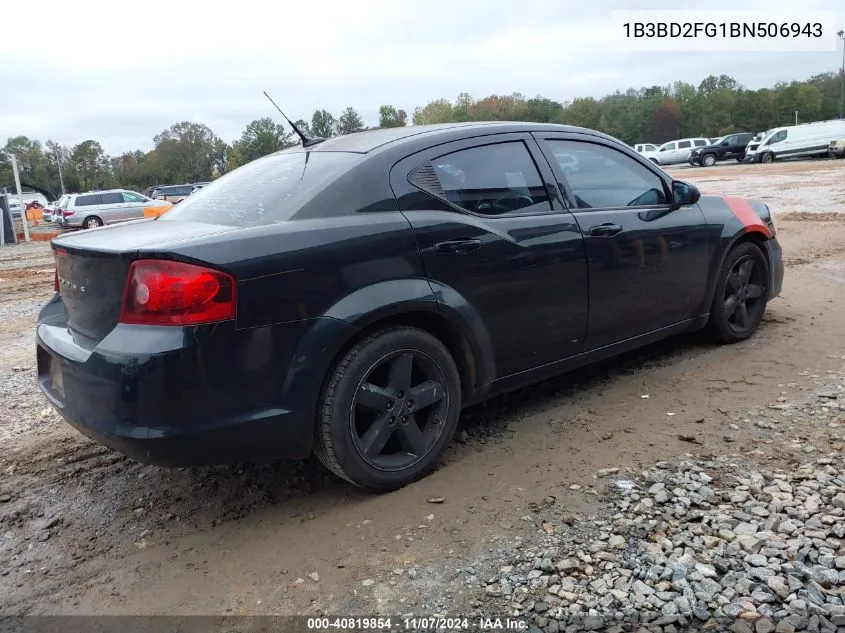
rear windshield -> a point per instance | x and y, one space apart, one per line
265 191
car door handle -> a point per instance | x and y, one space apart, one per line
605 230
457 246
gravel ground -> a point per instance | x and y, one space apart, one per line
698 544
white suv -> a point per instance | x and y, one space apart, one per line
676 151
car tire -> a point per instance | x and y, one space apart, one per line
768 157
708 160
741 294
370 431
92 222
740 160
655 161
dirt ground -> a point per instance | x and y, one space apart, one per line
84 530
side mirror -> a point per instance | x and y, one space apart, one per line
724 143
684 194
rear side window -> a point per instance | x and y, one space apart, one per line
87 201
267 190
700 142
493 179
684 144
112 197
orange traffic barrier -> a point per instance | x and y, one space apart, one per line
154 212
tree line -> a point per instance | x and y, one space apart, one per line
192 152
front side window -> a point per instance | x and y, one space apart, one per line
607 178
777 137
668 147
684 144
650 148
129 196
493 179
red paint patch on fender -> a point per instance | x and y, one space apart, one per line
745 214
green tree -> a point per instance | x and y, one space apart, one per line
259 138
323 124
462 106
389 116
437 111
188 150
87 159
349 122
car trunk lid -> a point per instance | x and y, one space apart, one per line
92 268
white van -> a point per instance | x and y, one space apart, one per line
676 151
806 139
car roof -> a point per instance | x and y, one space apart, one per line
369 140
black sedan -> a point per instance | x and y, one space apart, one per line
351 296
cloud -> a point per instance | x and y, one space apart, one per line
121 73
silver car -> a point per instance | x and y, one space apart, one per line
96 208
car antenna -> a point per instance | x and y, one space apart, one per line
307 141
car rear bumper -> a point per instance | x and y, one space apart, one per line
776 267
185 396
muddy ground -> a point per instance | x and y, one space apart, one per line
84 530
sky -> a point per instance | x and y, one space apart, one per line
121 72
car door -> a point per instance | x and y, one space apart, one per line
666 153
737 145
647 261
494 235
683 151
135 204
112 208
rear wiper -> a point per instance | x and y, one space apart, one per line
307 141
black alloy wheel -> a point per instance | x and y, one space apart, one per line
389 409
741 294
398 409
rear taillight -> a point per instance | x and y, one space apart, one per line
56 281
160 292
67 212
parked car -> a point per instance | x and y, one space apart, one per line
96 208
645 147
15 207
728 147
836 149
351 296
173 193
676 151
49 211
806 139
